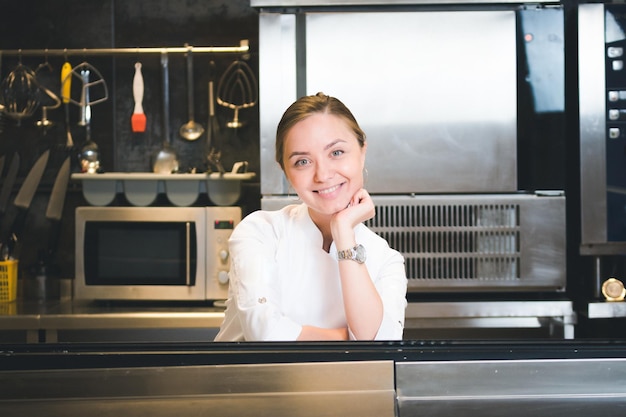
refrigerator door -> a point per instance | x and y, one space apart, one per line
436 98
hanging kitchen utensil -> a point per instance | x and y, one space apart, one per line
91 81
213 125
191 130
237 90
138 119
41 282
89 155
55 206
19 93
22 201
93 89
8 182
66 87
45 123
166 160
215 159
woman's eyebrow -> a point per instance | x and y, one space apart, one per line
333 143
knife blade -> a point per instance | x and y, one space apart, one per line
57 195
29 186
22 202
7 184
55 209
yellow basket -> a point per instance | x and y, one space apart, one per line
8 281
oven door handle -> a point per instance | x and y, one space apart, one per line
188 254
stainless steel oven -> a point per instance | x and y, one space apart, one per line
153 253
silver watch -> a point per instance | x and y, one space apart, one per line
356 254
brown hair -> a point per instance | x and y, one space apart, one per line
307 106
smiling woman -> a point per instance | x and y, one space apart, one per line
314 271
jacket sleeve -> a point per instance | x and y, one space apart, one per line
391 283
253 276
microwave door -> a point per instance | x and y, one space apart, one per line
130 255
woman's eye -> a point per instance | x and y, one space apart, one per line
301 162
337 152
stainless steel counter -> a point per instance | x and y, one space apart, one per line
82 321
44 322
439 379
606 309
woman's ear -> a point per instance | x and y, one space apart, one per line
363 152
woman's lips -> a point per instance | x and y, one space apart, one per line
327 192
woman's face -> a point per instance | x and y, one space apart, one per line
324 162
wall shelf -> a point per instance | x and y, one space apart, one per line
142 188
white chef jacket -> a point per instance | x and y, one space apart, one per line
281 279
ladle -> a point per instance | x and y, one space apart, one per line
191 130
165 161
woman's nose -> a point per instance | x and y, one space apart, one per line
323 171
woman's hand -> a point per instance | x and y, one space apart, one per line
360 209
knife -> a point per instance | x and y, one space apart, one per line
22 202
7 184
55 206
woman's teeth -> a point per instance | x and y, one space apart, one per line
328 190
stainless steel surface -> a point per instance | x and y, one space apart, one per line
53 321
592 110
277 90
242 48
606 310
211 245
364 388
86 321
505 242
551 315
422 104
554 388
288 3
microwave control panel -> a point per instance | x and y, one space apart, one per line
221 221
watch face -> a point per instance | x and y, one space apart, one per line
613 290
360 254
356 253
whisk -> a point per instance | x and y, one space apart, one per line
19 93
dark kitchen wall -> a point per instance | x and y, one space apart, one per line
76 24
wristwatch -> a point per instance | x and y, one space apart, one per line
356 254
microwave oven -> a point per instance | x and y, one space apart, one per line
153 253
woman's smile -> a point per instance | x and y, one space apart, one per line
328 192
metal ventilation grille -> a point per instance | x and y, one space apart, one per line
454 242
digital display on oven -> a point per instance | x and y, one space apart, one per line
224 225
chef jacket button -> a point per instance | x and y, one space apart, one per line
262 300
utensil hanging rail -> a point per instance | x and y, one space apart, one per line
242 48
